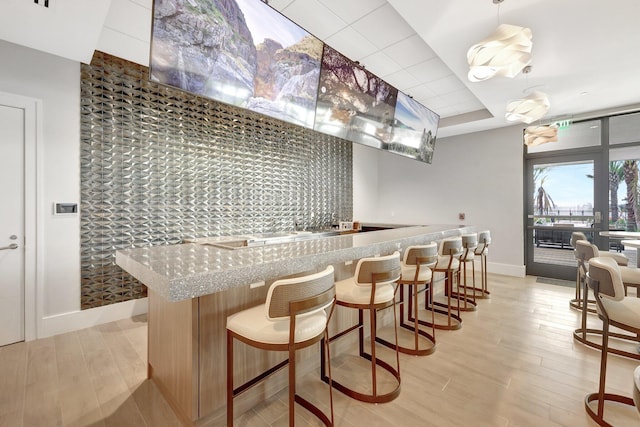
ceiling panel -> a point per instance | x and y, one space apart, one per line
351 43
383 27
351 10
415 45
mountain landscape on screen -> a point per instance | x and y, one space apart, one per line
241 52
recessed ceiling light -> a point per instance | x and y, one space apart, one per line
584 93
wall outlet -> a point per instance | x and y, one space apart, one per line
348 262
461 216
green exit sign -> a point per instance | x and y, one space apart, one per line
562 124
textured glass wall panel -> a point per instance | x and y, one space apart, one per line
159 165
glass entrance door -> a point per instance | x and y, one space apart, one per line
561 200
585 181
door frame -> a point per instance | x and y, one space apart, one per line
600 159
32 139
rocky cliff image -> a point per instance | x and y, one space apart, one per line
240 52
354 103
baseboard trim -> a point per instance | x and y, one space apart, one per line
504 269
75 320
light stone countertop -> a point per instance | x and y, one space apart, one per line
189 270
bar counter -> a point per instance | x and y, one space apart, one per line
193 287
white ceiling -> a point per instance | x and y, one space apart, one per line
586 54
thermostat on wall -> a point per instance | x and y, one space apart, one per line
65 208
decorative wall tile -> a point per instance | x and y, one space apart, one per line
159 165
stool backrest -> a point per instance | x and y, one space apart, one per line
451 246
317 289
426 255
469 241
484 240
577 235
379 270
605 278
484 237
585 251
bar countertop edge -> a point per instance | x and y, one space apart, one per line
190 270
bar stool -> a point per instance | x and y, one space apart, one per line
585 252
484 240
582 253
469 245
450 251
293 317
621 259
416 271
371 288
605 280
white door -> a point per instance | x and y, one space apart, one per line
12 214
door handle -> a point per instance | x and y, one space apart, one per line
11 246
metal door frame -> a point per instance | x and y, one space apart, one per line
600 158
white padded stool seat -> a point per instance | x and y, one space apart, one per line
626 311
443 263
348 291
409 273
620 259
481 249
630 275
253 324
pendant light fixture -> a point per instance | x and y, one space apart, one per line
505 52
528 109
538 135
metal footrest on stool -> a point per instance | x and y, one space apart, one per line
594 397
373 397
454 321
420 335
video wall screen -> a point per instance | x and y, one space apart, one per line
241 52
353 103
414 129
247 54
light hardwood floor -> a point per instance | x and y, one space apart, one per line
513 363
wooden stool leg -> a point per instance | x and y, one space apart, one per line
229 380
292 384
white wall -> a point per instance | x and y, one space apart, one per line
477 174
56 83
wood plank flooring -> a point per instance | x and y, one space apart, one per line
513 363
